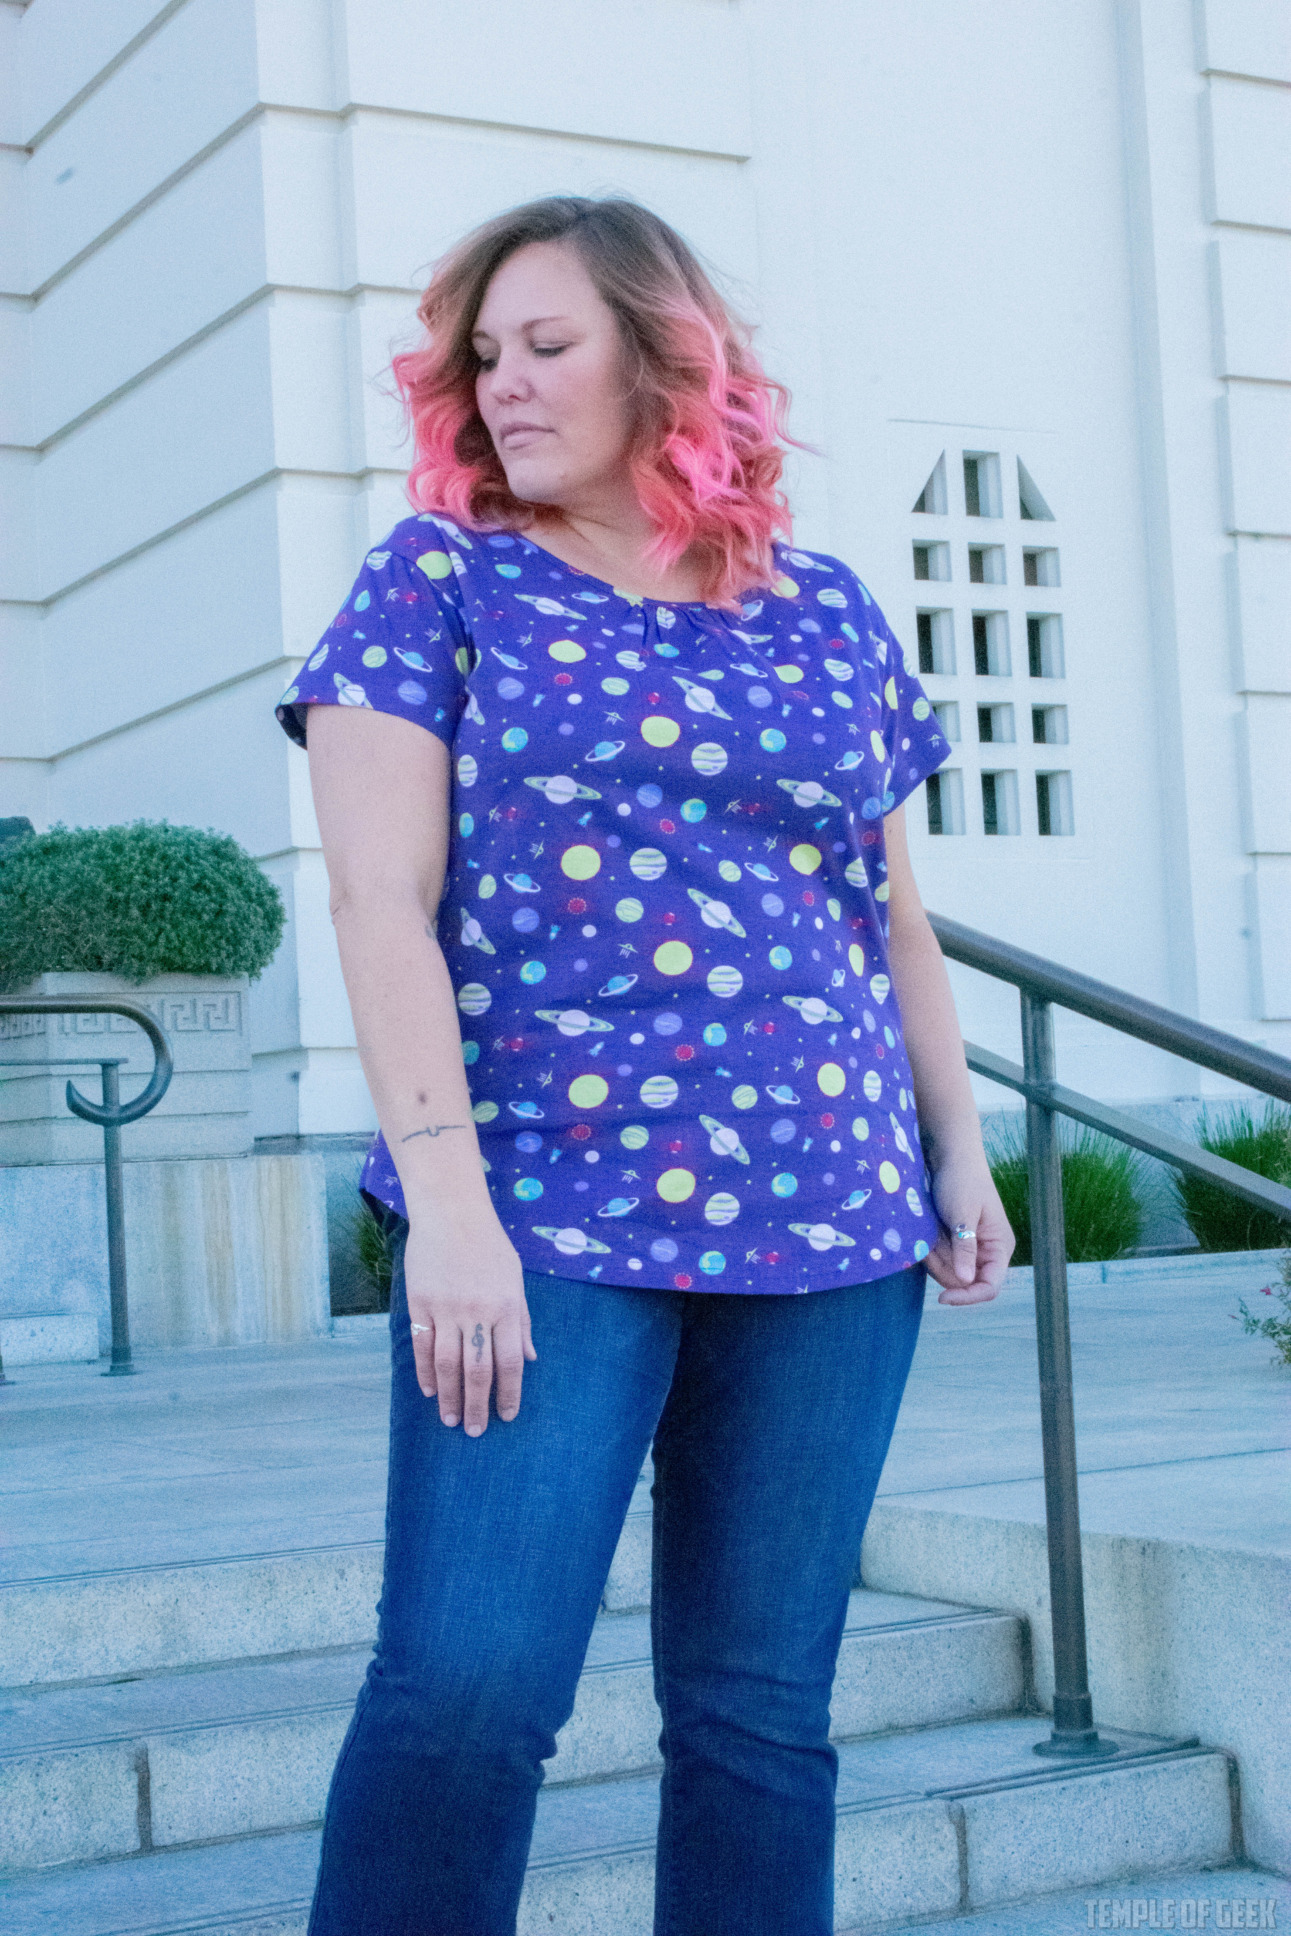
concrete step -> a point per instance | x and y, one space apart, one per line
95 1623
935 1822
90 1772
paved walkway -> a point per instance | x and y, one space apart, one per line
1182 1430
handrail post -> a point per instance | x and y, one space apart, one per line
1073 1717
122 1365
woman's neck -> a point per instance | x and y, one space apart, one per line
614 549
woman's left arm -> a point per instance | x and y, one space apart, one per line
970 1269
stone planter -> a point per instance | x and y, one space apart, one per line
205 1112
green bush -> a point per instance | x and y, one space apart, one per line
373 1248
1100 1207
1218 1219
148 899
1276 1326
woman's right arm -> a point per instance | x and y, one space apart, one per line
382 793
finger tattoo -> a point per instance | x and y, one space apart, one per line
477 1339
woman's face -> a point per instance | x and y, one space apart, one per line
550 382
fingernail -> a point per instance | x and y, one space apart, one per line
506 1415
450 1418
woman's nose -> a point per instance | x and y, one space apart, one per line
508 381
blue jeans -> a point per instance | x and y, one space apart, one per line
770 1419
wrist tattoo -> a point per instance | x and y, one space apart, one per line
438 1130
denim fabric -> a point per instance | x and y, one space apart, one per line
770 1419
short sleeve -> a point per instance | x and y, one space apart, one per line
910 731
399 645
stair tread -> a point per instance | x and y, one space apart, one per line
188 1888
62 1717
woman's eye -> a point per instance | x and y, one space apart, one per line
549 349
487 362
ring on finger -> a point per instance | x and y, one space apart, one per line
964 1234
414 1328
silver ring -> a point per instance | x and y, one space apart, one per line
963 1234
414 1328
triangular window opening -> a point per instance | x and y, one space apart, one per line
931 500
1030 501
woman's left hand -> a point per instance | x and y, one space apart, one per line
971 1268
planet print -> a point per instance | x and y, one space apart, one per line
780 957
745 1097
618 1207
618 985
724 982
650 795
572 1242
675 1186
522 883
758 696
588 1092
812 1009
560 789
857 1200
830 1079
533 971
809 794
723 1141
488 887
474 998
528 1188
673 958
714 1035
715 914
605 749
573 1021
791 674
473 935
566 652
629 908
712 1262
616 687
468 770
822 1236
872 1084
580 863
634 1137
729 870
879 987
709 759
658 730
805 858
781 1093
647 863
722 1208
515 739
435 564
784 1185
658 1092
525 920
693 810
889 1177
529 1111
838 668
772 740
860 1129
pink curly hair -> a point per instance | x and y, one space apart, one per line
707 445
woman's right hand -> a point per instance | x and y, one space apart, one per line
468 1293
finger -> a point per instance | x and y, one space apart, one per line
978 1293
508 1365
423 1353
448 1372
963 1239
529 1351
477 1356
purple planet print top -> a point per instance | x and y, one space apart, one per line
663 912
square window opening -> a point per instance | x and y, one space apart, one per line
986 564
1053 803
1049 725
1040 567
932 561
936 636
945 795
991 659
999 803
995 724
947 716
1045 656
931 501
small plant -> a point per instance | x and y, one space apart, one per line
1101 1211
1274 1327
372 1247
1218 1219
147 899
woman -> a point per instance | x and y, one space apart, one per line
610 792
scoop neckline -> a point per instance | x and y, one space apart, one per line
632 598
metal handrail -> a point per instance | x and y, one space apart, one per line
110 1115
1042 985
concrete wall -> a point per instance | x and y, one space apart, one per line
1059 235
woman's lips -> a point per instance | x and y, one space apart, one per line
519 435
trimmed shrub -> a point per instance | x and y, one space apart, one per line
1218 1219
1101 1210
147 899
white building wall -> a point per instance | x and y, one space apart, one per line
1060 234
